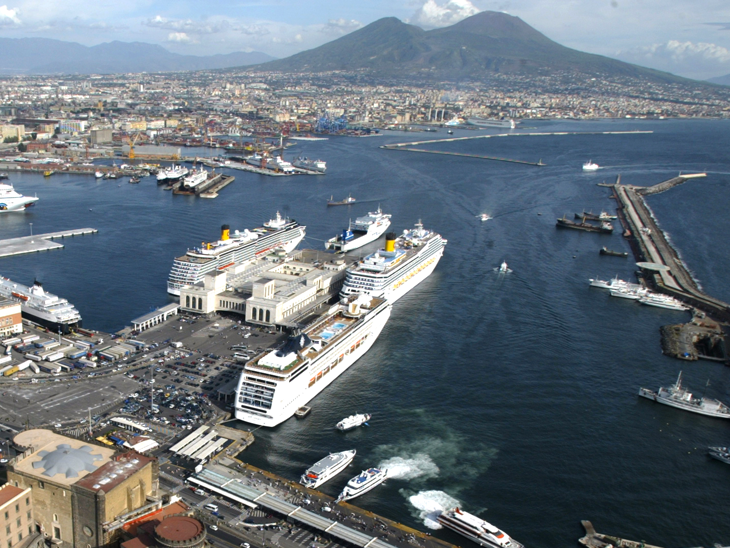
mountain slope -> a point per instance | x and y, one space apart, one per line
485 43
722 80
46 56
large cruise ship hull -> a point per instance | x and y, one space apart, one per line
298 393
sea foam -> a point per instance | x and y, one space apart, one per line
430 504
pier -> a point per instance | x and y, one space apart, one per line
409 146
662 267
39 242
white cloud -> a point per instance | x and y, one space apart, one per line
189 26
181 38
431 14
9 17
695 60
341 26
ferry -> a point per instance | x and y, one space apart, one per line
353 421
327 468
172 174
392 272
275 383
491 122
319 166
663 301
679 397
366 481
195 179
40 307
476 529
12 200
233 251
363 231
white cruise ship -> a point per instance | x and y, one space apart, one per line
233 250
277 382
392 272
43 308
476 529
12 200
196 178
363 231
326 468
507 123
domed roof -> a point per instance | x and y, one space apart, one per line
67 460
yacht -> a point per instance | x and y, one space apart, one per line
363 231
12 200
43 308
590 166
476 529
393 271
366 481
233 251
326 469
275 383
679 397
720 453
353 421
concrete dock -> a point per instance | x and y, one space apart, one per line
39 242
668 274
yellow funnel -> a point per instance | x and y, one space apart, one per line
225 231
390 241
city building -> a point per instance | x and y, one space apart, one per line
79 491
12 132
101 136
10 319
17 525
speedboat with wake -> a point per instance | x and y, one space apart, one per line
484 217
503 268
327 468
353 421
590 166
366 481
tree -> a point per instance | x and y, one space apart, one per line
11 139
22 147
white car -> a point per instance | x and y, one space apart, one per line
213 527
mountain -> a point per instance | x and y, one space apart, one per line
722 80
485 43
47 56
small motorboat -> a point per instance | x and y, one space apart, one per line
353 421
134 180
484 217
503 268
98 174
590 166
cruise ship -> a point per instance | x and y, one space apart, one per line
233 250
476 529
363 231
327 468
392 272
277 382
678 396
12 200
43 308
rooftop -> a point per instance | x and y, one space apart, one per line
9 492
114 472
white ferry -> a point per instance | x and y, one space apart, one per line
363 231
320 166
327 468
12 200
663 301
476 529
366 481
233 250
678 396
172 174
276 383
43 308
392 272
196 178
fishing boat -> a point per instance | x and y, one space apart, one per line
347 201
678 396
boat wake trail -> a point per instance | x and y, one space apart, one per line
429 504
410 467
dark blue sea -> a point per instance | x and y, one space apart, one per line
514 396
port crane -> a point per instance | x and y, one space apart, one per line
131 146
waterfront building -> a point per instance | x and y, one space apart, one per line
80 491
17 525
11 321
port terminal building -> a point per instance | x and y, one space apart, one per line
155 317
11 321
278 290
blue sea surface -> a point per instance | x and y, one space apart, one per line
512 395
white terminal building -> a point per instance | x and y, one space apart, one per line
277 290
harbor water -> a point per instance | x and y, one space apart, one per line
511 395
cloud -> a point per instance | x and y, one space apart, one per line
189 26
699 60
181 38
341 26
254 30
9 17
431 14
723 26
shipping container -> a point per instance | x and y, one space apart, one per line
54 356
34 367
11 371
34 357
25 365
5 359
4 369
29 338
11 341
75 354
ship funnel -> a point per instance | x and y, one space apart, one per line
390 241
353 308
225 231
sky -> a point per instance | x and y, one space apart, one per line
690 38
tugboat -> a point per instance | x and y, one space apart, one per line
678 396
347 201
